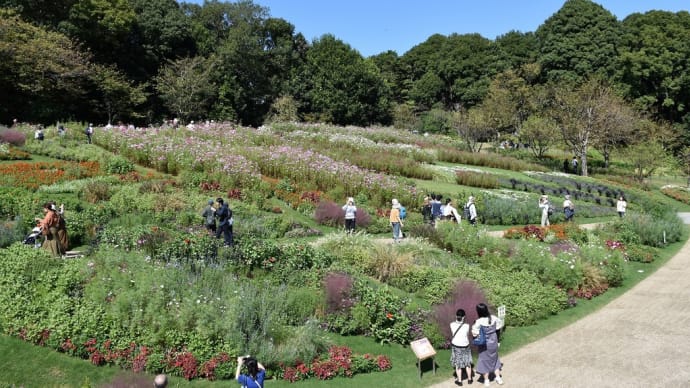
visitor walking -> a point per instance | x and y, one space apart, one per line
225 222
89 132
487 359
48 225
471 211
568 208
426 211
574 164
451 213
544 205
395 220
461 355
209 216
621 206
350 215
436 211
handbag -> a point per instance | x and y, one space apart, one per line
480 340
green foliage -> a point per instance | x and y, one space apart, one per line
118 165
474 179
301 305
645 229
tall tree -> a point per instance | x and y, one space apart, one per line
472 126
654 63
185 86
340 86
541 133
579 40
44 76
582 114
119 97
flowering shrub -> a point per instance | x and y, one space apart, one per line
340 362
33 175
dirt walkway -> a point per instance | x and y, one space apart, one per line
641 339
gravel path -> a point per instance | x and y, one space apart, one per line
641 339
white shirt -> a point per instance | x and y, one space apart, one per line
485 322
460 338
449 210
621 205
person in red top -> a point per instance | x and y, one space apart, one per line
49 225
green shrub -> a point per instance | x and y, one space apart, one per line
302 304
649 230
118 165
11 232
476 179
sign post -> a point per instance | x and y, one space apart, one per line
422 349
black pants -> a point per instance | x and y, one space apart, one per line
349 225
226 231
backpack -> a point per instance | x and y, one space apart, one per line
466 211
403 212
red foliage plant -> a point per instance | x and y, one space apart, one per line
329 213
235 194
466 295
13 137
338 292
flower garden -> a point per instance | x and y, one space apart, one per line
155 293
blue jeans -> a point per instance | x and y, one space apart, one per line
396 230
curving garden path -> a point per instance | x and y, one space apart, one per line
641 339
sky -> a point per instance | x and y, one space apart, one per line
375 26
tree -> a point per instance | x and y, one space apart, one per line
646 157
44 76
119 96
654 65
185 86
615 127
472 127
579 40
581 114
541 133
339 86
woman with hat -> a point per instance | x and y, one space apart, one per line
544 206
568 208
350 212
209 215
395 220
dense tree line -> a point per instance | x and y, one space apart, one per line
146 60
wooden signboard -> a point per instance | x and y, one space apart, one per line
422 349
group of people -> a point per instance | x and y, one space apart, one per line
225 220
487 325
569 208
54 229
434 210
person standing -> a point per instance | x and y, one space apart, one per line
574 165
89 132
621 206
256 373
487 359
451 213
461 355
471 211
225 222
544 206
395 220
62 237
436 212
48 225
209 216
350 215
568 208
426 211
